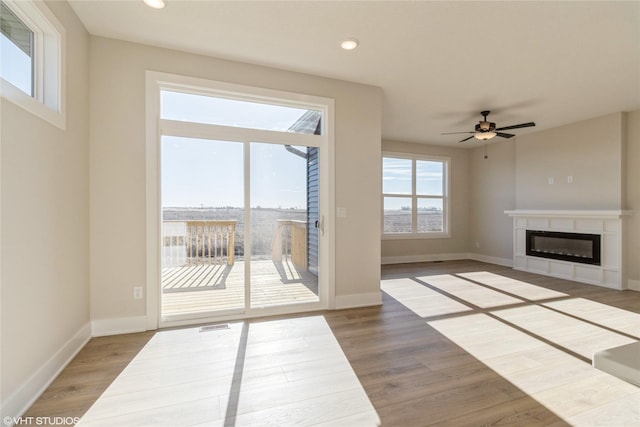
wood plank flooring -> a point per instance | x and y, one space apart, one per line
455 343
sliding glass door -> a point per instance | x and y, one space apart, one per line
282 225
241 212
203 218
219 257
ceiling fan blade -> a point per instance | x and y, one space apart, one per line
505 135
454 133
466 139
521 125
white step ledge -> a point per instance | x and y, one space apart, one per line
622 362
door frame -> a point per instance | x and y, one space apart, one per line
157 127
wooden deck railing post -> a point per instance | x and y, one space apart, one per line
293 244
276 242
299 244
232 244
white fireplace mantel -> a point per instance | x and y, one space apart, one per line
602 214
609 224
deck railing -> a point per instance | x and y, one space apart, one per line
290 240
212 242
199 242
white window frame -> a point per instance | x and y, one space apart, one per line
445 233
48 101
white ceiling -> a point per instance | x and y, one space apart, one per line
438 63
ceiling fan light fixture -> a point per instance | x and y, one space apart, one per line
156 4
486 130
483 136
349 44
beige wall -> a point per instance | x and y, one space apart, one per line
633 197
602 155
45 225
459 206
591 151
117 162
493 190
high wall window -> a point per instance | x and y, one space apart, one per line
415 196
32 58
17 50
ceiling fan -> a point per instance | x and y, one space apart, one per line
486 130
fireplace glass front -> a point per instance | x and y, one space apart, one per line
574 247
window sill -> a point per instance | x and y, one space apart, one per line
30 104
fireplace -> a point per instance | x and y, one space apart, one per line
573 247
602 263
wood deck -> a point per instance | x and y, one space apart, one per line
221 287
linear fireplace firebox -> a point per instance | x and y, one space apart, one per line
574 247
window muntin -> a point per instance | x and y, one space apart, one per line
188 107
16 50
415 199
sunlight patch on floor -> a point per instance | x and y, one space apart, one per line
580 337
611 317
565 385
421 300
470 292
533 346
280 372
512 286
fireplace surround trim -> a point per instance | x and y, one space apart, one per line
599 214
609 224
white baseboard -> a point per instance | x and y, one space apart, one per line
506 262
116 326
633 285
422 258
17 403
358 300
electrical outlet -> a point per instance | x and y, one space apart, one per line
570 179
551 180
137 292
341 212
477 244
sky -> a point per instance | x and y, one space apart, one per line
397 179
228 112
15 65
207 173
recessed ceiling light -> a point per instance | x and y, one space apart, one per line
349 44
156 4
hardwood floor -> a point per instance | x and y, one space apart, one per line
455 343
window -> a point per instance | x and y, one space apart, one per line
17 50
415 196
218 110
32 58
